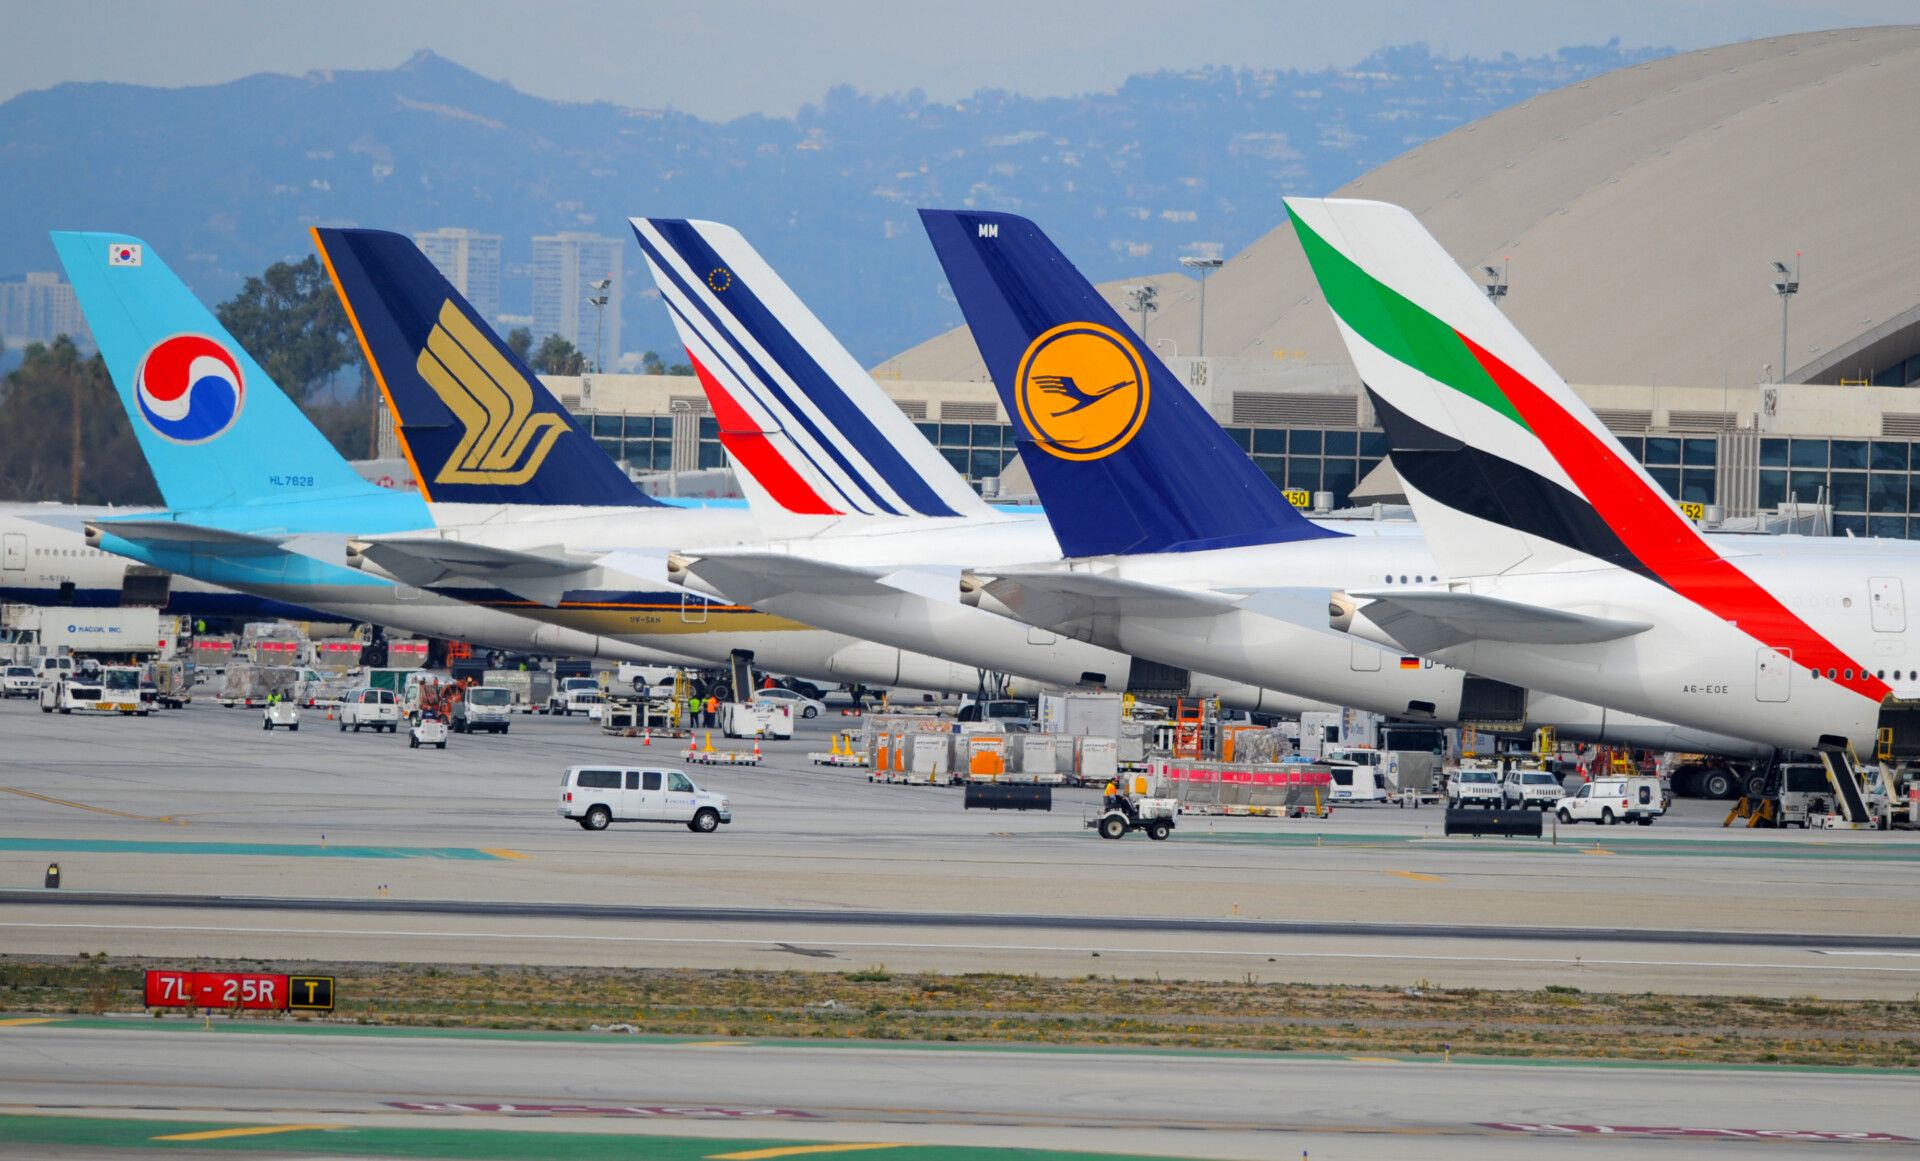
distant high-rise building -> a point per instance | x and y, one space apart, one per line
470 260
565 266
39 309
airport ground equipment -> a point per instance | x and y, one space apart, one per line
172 683
1008 796
841 751
1203 786
480 708
707 755
280 715
756 719
1511 822
1142 803
1614 800
111 689
430 730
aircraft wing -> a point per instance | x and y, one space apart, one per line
1051 598
174 536
541 576
1424 621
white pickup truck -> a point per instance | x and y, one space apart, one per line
576 695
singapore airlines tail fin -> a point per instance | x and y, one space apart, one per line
808 429
476 423
1125 460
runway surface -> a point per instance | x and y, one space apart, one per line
178 833
348 1086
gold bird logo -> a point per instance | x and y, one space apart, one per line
505 440
1082 391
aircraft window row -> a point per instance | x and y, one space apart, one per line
69 552
1403 579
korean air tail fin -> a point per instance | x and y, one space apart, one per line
477 424
799 416
1508 470
216 430
1125 460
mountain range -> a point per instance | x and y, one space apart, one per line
225 179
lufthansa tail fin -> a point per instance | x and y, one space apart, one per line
216 430
476 423
1508 470
798 415
1125 460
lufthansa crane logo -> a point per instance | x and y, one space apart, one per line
1082 391
505 441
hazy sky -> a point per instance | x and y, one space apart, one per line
723 58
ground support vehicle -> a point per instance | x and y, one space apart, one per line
482 708
114 690
278 714
841 753
375 709
430 730
576 695
19 681
1530 785
756 719
1125 812
1613 800
1475 782
173 683
595 796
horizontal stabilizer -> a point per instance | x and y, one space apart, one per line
1426 621
540 576
756 577
1052 598
173 536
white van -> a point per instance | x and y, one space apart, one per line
376 709
594 796
1611 800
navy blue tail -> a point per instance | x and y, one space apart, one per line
477 424
1125 460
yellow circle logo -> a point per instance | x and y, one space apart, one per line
1082 390
720 279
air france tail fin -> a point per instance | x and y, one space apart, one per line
216 430
799 416
1509 471
476 423
1124 459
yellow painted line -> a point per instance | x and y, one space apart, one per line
94 809
1373 1060
250 1131
797 1151
1417 877
1595 851
23 1021
502 853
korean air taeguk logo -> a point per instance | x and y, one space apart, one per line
189 388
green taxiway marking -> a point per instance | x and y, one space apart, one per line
281 850
270 1026
1574 841
479 1144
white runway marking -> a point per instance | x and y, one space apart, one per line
1584 960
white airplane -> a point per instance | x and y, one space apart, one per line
1178 541
1564 565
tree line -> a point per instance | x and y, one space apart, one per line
65 437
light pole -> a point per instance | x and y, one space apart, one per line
1496 287
598 301
1144 299
1205 266
1786 288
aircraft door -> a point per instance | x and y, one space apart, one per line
1889 604
693 609
13 551
1364 658
1773 675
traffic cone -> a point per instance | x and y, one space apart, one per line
646 739
836 745
709 746
756 749
690 746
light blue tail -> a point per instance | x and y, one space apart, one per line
217 431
